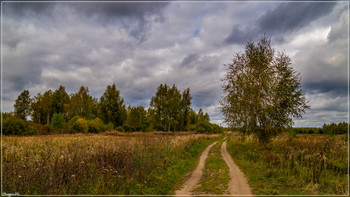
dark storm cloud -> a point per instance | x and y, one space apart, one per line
107 9
132 16
202 64
189 59
325 67
287 17
206 97
240 35
115 9
19 9
330 86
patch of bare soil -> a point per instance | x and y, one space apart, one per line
238 184
195 176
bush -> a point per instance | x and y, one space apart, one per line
121 129
57 121
70 124
190 127
72 121
94 126
106 127
16 126
42 129
207 127
129 128
80 126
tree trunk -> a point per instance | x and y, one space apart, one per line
48 118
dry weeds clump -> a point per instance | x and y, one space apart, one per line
315 163
178 141
89 163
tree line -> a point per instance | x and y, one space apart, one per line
332 128
58 112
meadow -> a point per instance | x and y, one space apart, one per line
106 163
304 164
143 163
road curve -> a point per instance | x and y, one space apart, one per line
191 183
238 185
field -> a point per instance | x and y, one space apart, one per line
108 163
302 164
158 162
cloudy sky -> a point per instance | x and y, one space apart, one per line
140 45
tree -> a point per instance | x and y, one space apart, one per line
37 109
171 108
23 105
46 106
262 91
185 108
206 117
137 118
59 99
200 116
158 106
112 107
82 104
193 117
57 121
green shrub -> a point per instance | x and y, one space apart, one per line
106 127
72 121
128 128
94 126
70 124
5 115
121 129
57 121
42 129
16 126
191 127
80 126
207 127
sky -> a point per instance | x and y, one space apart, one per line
140 45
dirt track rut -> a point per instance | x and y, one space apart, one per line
191 183
238 184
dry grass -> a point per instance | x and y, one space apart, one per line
109 163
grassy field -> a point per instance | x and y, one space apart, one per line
108 163
303 164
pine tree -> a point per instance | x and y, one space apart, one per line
112 107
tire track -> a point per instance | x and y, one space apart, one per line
192 182
238 185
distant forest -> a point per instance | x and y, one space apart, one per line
58 112
333 128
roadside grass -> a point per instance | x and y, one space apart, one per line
299 165
109 164
216 173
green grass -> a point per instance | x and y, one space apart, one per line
216 173
307 165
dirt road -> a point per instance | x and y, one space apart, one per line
191 183
238 184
